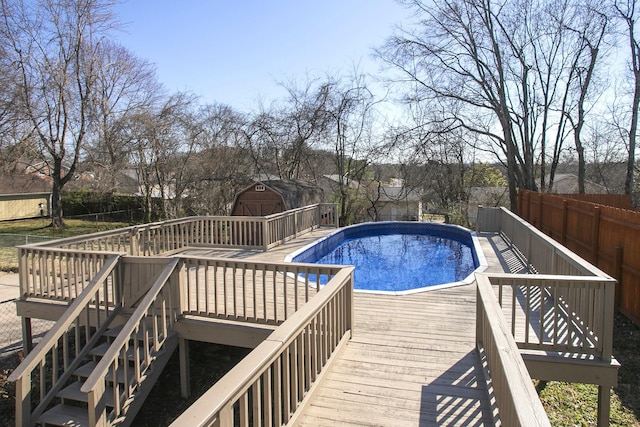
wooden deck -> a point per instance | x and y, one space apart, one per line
412 360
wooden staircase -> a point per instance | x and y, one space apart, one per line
71 403
91 369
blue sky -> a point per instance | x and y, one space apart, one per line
234 52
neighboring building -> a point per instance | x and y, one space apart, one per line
398 203
487 197
24 196
567 183
274 196
330 184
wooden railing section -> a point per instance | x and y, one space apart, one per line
59 269
564 309
141 338
516 398
58 274
269 386
65 347
249 291
570 314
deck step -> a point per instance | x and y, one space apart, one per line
102 349
65 415
73 392
86 370
115 331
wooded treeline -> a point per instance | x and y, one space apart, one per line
530 85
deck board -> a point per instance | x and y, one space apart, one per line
411 361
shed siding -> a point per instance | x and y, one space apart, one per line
258 203
20 206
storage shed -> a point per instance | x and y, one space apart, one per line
264 198
24 196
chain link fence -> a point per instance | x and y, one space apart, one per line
10 240
11 329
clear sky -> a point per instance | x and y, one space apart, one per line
234 52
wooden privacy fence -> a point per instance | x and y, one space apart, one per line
607 237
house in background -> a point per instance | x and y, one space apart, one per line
274 196
397 203
24 196
567 183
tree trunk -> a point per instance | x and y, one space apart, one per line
56 195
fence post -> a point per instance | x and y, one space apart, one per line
595 236
540 212
563 232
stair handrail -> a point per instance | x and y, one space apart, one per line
94 386
22 374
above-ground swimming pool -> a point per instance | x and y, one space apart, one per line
399 257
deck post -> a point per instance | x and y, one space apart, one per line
265 234
617 269
27 335
604 405
185 371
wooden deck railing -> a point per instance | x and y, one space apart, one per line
65 347
58 269
143 336
59 274
564 312
249 291
543 254
516 398
287 225
268 387
568 290
572 314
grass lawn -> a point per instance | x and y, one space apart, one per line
39 227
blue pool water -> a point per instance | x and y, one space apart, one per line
398 257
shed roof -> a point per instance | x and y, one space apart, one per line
24 184
295 194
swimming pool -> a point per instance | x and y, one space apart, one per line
399 257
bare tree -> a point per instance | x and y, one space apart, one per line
457 55
351 110
627 12
125 85
163 149
591 31
54 46
223 164
282 134
511 73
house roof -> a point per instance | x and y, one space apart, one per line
567 183
24 184
399 194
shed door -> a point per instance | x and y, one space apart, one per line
260 207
